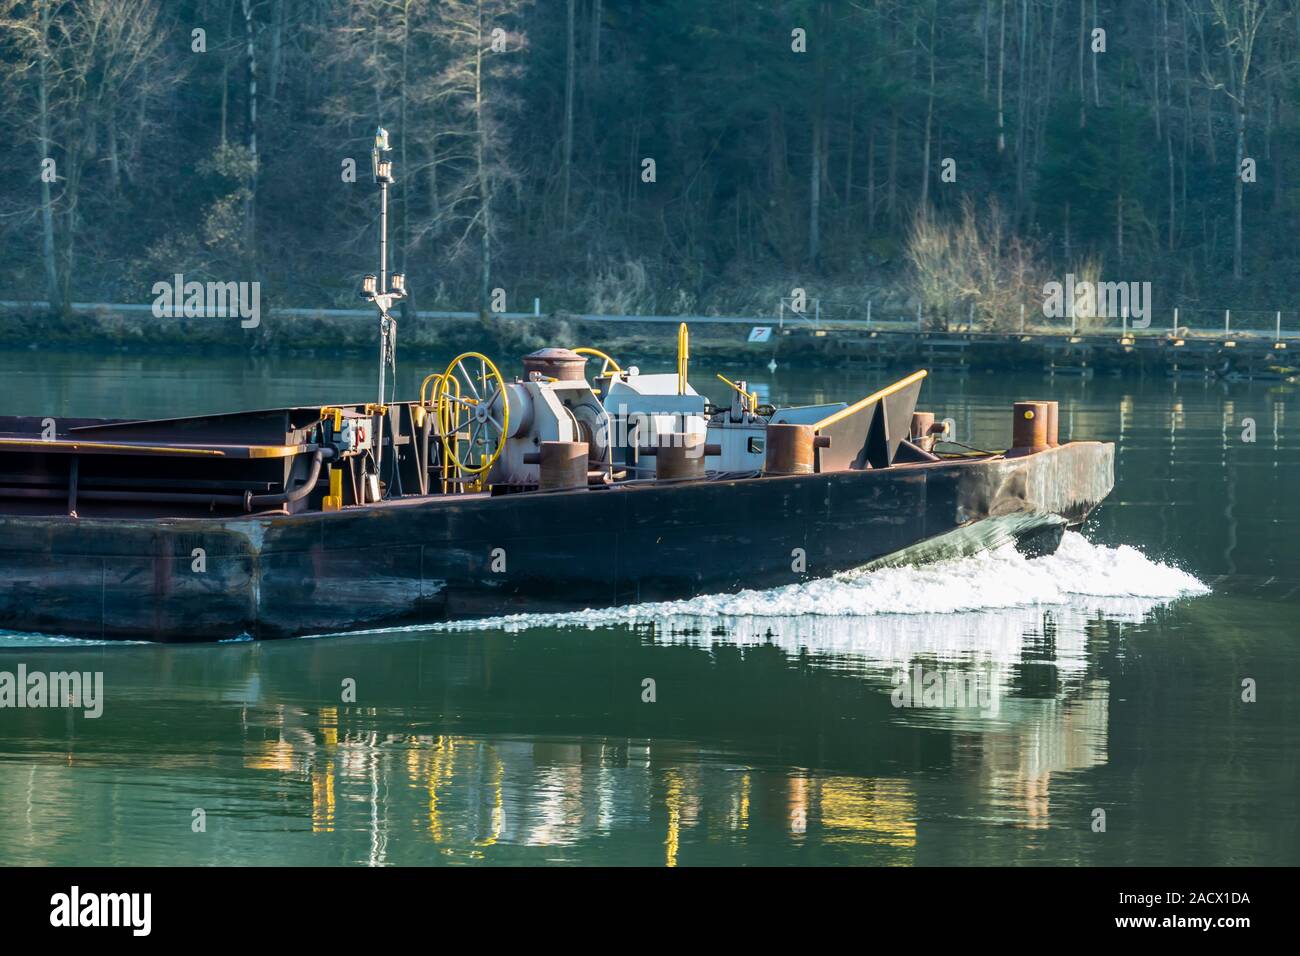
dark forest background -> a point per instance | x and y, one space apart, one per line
795 143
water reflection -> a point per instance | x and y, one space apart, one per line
773 737
767 736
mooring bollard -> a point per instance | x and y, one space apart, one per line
791 449
919 434
560 465
1028 428
1053 422
680 455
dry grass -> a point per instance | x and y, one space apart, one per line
972 271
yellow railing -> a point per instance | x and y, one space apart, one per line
446 419
683 357
873 397
748 400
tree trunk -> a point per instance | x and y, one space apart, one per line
848 167
570 59
484 187
1083 95
277 47
1002 54
988 15
891 184
1119 227
929 123
250 199
1096 87
43 143
1237 185
1169 123
871 178
1022 96
815 189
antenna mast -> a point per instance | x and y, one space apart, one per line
383 290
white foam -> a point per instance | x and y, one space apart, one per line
1122 581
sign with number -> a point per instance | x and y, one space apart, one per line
760 333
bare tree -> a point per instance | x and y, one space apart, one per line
82 67
1241 21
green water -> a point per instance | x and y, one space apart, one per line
772 737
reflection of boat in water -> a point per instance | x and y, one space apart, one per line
530 739
554 489
541 739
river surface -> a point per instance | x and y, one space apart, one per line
1103 720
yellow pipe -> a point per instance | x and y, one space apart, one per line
63 445
425 384
875 396
749 400
683 357
445 416
587 350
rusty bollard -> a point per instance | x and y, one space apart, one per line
920 432
1053 422
561 465
1028 428
791 449
680 455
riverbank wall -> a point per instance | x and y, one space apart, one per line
729 340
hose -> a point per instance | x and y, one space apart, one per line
254 502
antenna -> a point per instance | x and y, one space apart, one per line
382 289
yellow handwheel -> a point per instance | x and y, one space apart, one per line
474 392
610 367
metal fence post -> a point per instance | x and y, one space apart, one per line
868 313
918 317
1278 337
1022 318
1227 321
817 309
1174 331
537 306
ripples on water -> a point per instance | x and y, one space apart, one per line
1111 679
468 743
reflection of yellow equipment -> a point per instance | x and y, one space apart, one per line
748 400
471 393
683 357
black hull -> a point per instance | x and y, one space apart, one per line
430 559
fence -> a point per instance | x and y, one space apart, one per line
1180 321
831 315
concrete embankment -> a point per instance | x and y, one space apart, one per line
635 338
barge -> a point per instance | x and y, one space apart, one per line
569 484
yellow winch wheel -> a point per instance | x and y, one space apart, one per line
470 388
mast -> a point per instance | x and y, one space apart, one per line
377 289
